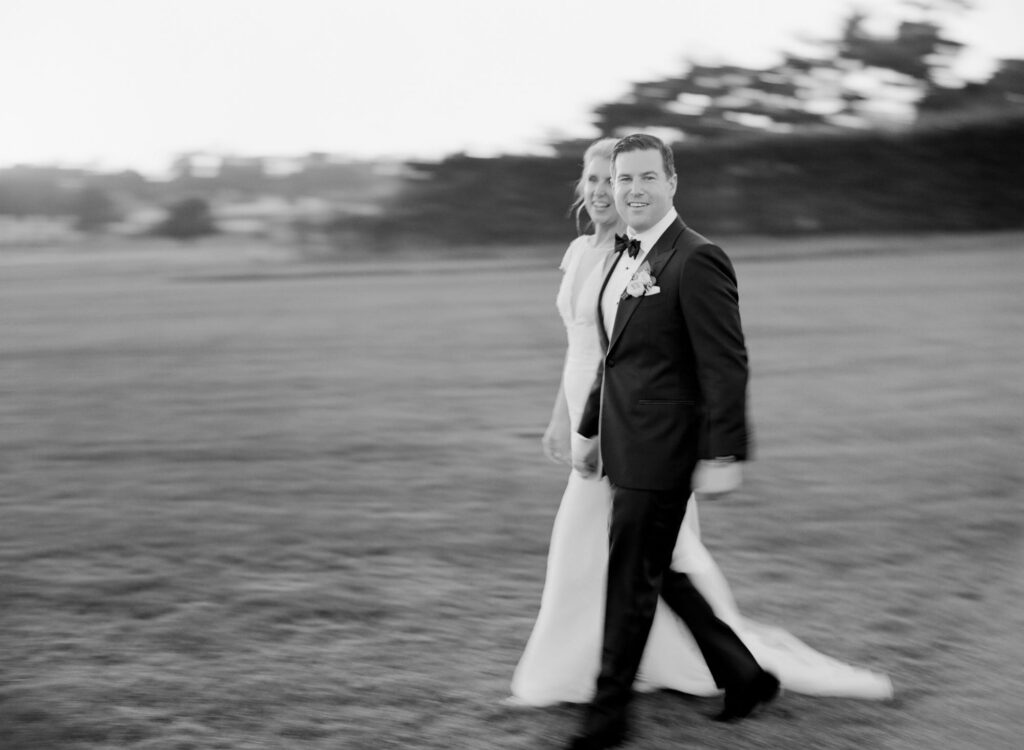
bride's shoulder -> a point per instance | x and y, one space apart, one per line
579 247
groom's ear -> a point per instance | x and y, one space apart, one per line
674 182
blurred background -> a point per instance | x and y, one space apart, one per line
278 343
344 128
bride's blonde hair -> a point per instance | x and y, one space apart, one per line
599 148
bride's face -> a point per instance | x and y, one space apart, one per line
598 196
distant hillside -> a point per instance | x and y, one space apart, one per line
53 191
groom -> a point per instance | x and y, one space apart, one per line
671 391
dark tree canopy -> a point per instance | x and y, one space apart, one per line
94 209
188 219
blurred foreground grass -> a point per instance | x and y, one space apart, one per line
249 503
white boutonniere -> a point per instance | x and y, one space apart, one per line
642 283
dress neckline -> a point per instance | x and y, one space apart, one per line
585 268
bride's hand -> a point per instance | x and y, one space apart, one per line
556 443
585 455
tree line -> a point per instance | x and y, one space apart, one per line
865 131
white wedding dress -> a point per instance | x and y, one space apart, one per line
562 657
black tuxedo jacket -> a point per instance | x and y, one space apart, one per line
672 387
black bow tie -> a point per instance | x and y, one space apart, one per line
631 246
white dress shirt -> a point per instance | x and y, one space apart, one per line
627 266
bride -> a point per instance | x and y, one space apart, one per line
562 657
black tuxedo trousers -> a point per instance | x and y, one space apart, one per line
644 528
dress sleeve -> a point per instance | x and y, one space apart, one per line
563 298
564 265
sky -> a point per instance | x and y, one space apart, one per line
115 84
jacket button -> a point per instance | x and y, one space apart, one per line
610 363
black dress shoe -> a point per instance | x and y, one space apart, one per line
739 703
612 734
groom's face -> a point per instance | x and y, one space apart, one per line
643 192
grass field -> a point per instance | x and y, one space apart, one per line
253 502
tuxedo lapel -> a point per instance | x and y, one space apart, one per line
666 247
627 306
660 254
609 265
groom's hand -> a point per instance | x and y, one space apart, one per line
585 453
717 477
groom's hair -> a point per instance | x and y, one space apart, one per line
644 142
